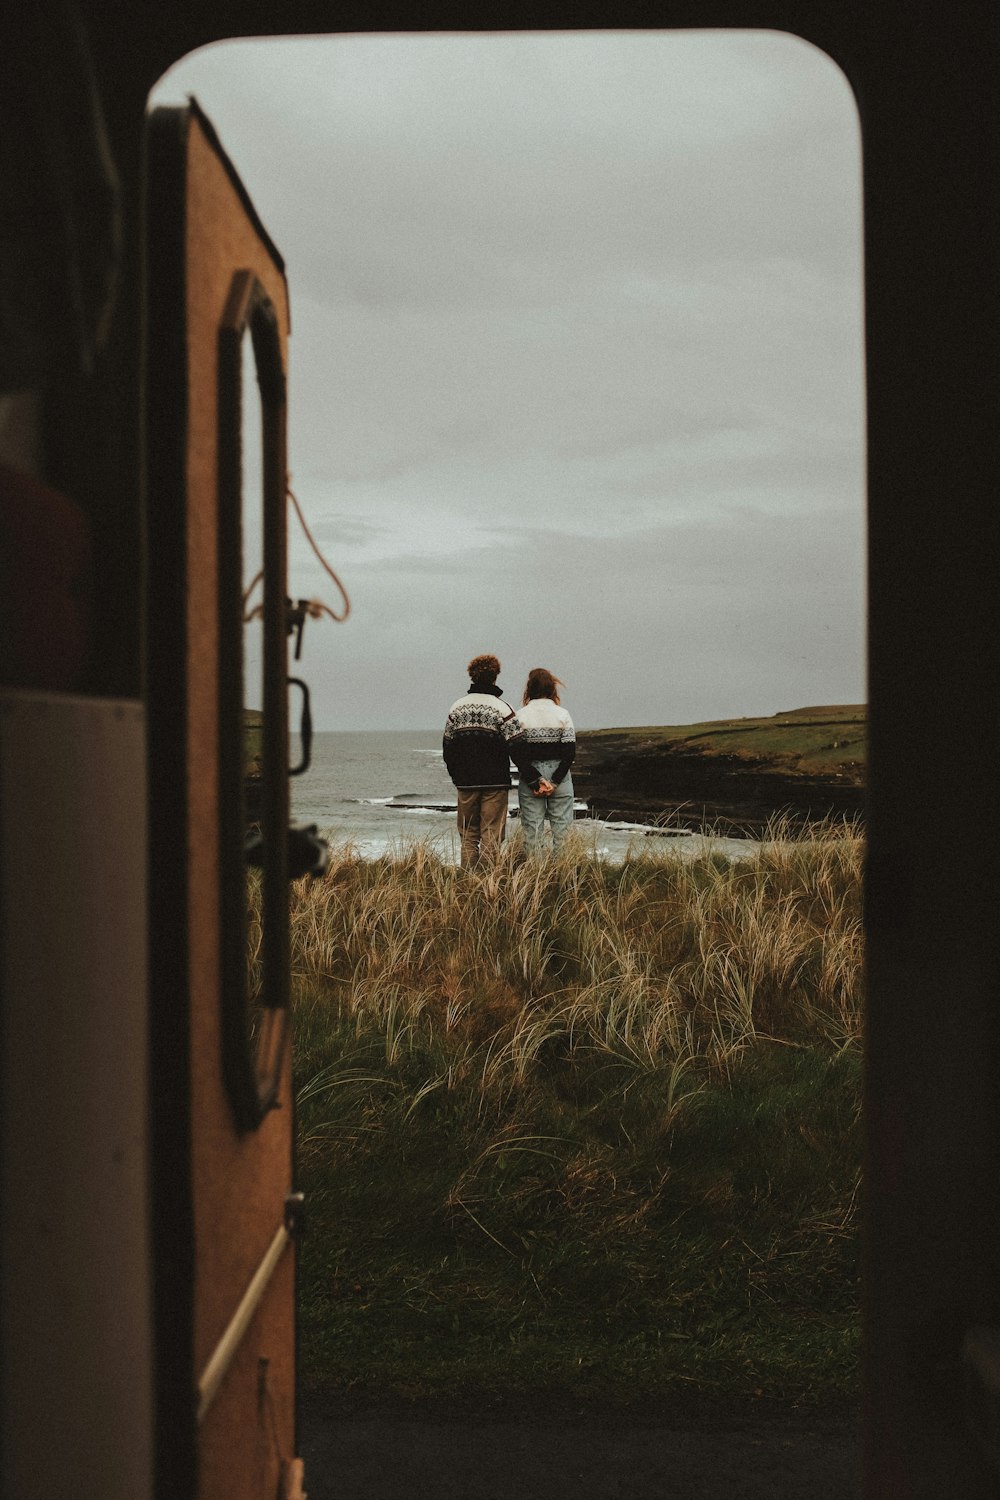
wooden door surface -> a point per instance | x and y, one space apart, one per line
224 1215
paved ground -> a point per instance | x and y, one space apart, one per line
546 1449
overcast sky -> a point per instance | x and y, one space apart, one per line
576 362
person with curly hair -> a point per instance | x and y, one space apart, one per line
546 797
482 735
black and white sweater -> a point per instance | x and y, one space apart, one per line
482 735
549 734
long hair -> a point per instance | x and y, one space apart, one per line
542 684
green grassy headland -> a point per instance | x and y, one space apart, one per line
732 774
815 741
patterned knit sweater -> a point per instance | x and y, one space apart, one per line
482 735
549 734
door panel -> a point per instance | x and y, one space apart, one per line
223 1110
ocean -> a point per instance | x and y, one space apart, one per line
382 790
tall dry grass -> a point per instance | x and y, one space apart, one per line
661 960
588 1101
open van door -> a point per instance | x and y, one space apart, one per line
225 1215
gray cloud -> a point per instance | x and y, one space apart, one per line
576 360
747 615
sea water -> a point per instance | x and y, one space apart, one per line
381 790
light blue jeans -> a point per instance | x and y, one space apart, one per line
557 810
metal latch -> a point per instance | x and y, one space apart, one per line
295 1216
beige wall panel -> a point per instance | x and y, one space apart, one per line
76 1357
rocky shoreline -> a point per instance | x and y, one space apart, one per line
624 775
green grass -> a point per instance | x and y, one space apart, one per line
815 741
577 1125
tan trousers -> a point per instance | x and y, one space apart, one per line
482 822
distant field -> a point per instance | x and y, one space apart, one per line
814 741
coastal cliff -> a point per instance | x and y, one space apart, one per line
732 775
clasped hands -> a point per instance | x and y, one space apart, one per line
545 788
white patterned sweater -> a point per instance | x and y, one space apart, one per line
482 736
549 734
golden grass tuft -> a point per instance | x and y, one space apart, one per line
569 1114
662 960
